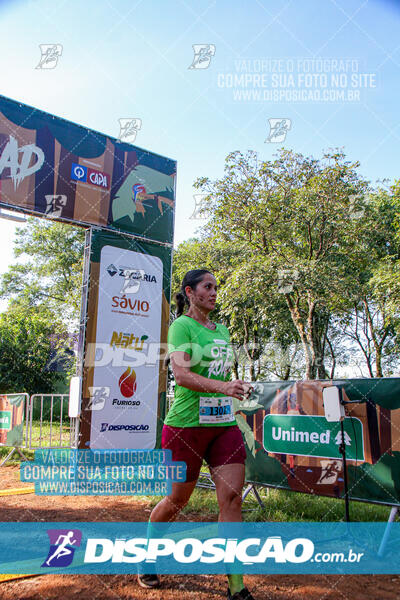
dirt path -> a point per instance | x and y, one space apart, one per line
124 587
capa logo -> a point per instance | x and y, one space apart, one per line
63 543
107 427
99 178
127 383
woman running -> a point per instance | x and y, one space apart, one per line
201 424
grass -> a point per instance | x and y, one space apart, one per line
285 506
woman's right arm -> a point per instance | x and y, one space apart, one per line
180 362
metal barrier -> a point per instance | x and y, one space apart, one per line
55 428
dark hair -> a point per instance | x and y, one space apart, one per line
191 279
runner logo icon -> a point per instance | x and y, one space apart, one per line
63 543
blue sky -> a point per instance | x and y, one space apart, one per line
131 59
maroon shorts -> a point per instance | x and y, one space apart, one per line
217 445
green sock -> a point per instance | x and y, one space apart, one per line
235 583
155 530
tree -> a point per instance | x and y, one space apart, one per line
51 274
37 330
26 348
292 214
372 322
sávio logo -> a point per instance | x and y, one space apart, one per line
138 190
63 543
32 160
138 305
127 383
87 175
107 427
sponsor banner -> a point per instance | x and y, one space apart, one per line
60 170
189 548
128 319
291 445
302 436
124 376
12 407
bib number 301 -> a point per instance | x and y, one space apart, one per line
216 410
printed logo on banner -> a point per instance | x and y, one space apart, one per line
32 159
127 340
5 419
118 403
87 175
127 383
123 427
98 178
112 270
142 306
138 190
63 543
98 397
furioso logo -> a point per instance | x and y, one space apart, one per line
19 170
127 383
63 543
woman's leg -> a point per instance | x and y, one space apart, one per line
229 481
169 507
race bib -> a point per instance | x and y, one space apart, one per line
215 410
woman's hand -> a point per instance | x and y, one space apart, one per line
237 388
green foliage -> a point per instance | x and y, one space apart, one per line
44 295
25 352
308 238
51 274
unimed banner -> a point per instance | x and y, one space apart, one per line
291 445
124 379
57 169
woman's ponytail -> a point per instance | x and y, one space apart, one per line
181 300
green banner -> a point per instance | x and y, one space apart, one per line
312 436
5 419
290 445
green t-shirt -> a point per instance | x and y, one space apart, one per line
212 357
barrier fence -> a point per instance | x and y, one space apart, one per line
37 421
56 429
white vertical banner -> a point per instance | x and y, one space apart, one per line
124 396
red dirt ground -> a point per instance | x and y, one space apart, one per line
124 587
